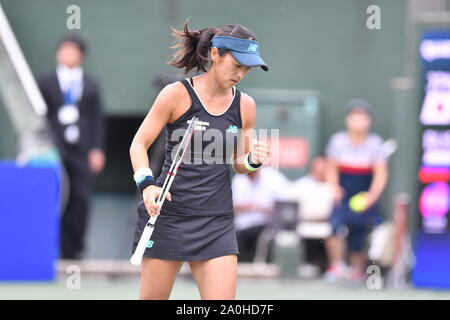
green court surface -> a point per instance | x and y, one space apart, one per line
258 289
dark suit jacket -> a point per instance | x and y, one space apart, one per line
91 120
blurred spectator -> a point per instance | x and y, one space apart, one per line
356 163
77 124
254 195
315 198
313 192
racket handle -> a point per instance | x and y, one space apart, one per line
136 259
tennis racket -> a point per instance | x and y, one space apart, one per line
389 147
145 241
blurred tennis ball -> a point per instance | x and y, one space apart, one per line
358 202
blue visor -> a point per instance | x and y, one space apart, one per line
245 51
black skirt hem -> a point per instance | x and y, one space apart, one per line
189 258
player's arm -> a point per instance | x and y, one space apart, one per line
159 114
248 114
379 181
332 177
332 174
151 127
259 150
96 155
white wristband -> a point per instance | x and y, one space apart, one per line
142 172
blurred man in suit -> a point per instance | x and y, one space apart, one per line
76 121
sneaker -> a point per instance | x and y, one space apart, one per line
356 278
335 273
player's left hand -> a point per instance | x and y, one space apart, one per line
259 152
369 201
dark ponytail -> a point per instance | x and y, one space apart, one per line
192 47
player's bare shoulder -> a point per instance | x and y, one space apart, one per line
174 92
175 99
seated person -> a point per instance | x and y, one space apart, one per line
254 195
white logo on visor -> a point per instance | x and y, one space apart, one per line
253 47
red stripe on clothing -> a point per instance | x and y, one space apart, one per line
355 170
428 175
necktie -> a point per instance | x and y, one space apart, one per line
69 114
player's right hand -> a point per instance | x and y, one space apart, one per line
338 194
150 195
259 151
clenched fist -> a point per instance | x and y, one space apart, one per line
259 152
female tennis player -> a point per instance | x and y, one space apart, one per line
196 224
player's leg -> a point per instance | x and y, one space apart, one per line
358 262
74 220
336 246
216 278
157 278
358 255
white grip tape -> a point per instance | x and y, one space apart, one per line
136 259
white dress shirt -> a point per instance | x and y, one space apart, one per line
268 187
70 78
71 84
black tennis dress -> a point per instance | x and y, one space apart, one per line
198 224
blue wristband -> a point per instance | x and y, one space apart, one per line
144 182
